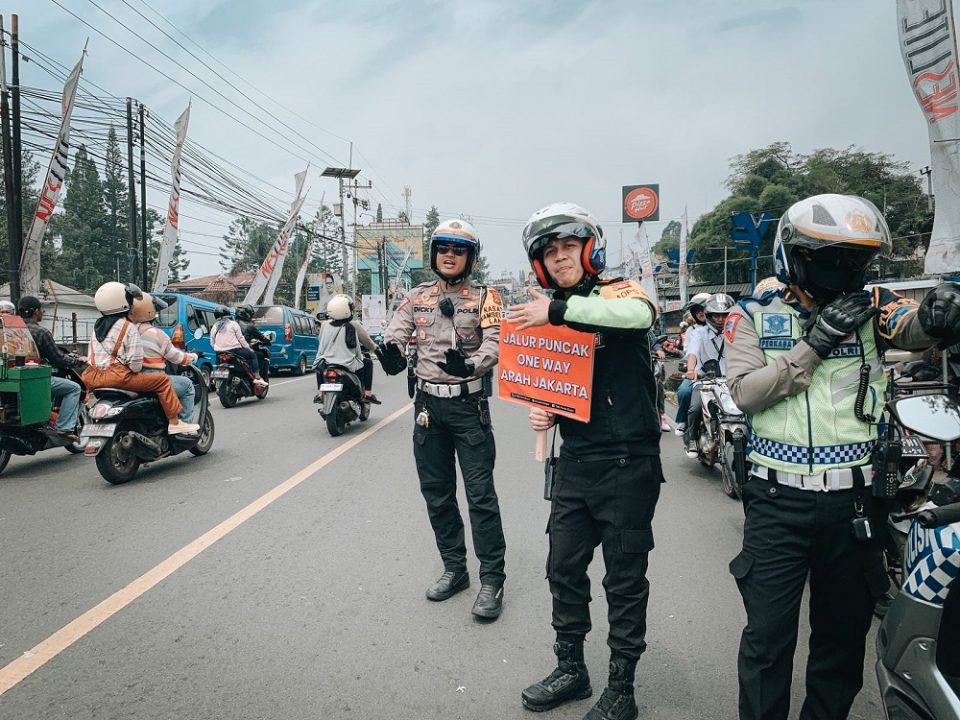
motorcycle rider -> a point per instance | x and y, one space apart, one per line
707 345
252 334
699 324
793 367
66 390
7 308
607 479
158 350
457 324
342 340
116 355
226 336
656 348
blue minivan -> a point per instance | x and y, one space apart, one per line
297 336
182 317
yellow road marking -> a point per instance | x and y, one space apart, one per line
36 657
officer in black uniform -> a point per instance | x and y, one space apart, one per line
457 325
252 333
607 480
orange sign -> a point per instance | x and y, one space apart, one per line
641 202
549 367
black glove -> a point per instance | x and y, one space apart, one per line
838 320
391 358
939 312
457 364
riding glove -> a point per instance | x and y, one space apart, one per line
457 364
838 320
939 312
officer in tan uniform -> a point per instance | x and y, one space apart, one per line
457 326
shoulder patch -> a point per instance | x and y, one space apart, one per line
730 328
894 310
624 289
491 308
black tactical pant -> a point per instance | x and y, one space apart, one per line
608 503
460 427
788 536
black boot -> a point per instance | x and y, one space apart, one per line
569 681
617 701
449 584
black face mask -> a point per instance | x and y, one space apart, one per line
832 271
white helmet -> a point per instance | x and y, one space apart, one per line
116 297
458 233
7 307
564 219
340 307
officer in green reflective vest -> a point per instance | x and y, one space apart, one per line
795 363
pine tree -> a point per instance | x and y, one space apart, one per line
116 201
379 213
85 260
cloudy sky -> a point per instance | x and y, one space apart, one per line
494 108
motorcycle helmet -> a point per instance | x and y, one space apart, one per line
28 305
144 309
825 244
7 308
564 219
221 311
717 308
695 305
684 325
245 313
458 233
340 307
114 297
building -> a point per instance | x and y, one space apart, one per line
69 314
221 288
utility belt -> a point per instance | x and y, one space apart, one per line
452 390
827 481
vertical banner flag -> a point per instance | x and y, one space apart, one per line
52 187
171 229
683 260
268 275
928 44
302 273
646 265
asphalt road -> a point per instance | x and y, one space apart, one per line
310 604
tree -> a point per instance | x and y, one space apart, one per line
246 245
326 253
379 213
116 201
29 170
424 274
480 270
669 238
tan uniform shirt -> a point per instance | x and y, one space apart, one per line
474 327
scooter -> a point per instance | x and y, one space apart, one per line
124 429
341 398
234 376
33 437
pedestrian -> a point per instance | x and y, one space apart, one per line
795 367
457 326
607 479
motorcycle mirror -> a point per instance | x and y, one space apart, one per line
933 416
197 334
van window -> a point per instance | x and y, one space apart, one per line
303 327
170 314
268 315
194 319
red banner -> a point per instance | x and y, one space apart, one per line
549 367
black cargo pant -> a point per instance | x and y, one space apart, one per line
788 535
460 427
608 503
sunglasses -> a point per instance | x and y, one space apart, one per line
455 249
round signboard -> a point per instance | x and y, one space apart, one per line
641 203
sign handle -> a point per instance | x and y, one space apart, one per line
540 450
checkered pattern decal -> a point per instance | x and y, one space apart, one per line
933 556
802 455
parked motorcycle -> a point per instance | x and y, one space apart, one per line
340 397
723 427
233 376
37 433
124 429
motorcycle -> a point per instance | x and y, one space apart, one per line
723 429
124 429
33 437
233 376
340 397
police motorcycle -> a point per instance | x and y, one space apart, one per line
26 415
124 429
233 376
723 430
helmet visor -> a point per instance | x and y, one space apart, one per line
540 232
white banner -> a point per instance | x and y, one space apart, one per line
646 265
171 228
928 44
52 188
683 260
268 275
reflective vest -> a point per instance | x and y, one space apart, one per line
816 430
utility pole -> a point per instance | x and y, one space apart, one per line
356 201
925 171
132 194
16 240
724 268
8 165
144 257
340 174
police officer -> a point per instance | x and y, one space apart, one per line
607 480
795 366
457 325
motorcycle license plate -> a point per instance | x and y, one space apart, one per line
913 447
220 374
98 430
331 387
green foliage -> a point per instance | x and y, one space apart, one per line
29 169
669 238
379 213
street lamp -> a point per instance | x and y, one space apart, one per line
340 174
